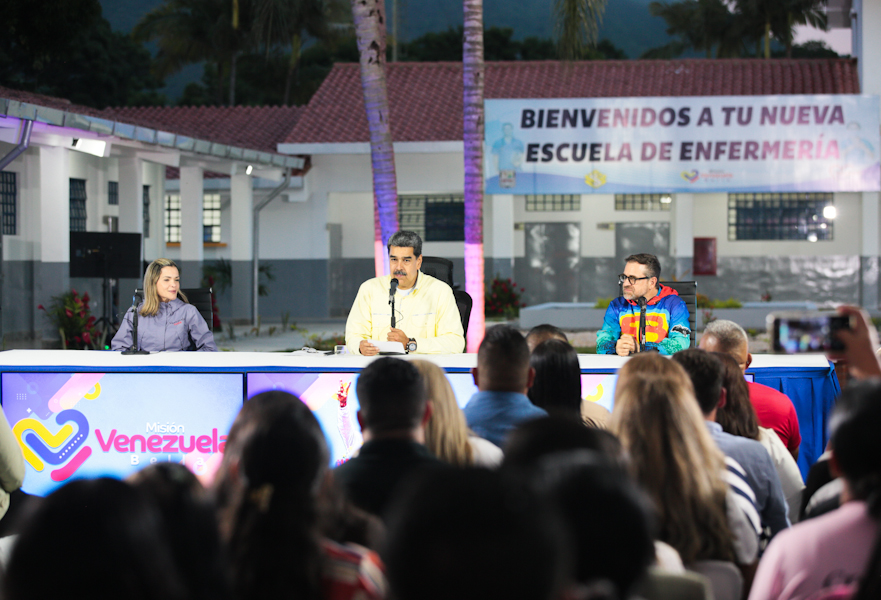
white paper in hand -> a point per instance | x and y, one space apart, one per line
388 347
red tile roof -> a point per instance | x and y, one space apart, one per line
50 102
426 98
252 127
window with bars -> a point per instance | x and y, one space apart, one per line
553 202
211 218
77 204
643 201
8 194
146 194
172 218
435 217
113 193
781 216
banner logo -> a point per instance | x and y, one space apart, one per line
65 447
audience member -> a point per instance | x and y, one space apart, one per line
738 417
557 384
706 373
11 477
446 434
861 352
112 546
275 461
474 534
535 439
189 523
676 462
773 409
542 333
503 377
606 515
835 548
394 411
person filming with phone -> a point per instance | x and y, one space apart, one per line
648 316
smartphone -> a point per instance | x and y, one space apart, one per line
799 332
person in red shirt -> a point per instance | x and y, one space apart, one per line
773 409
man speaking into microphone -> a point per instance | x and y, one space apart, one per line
419 311
648 317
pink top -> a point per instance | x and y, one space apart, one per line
803 562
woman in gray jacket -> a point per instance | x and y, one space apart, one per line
166 322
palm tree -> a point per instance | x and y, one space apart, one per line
284 22
577 25
473 74
778 18
702 25
369 18
192 31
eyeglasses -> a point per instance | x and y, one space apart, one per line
622 278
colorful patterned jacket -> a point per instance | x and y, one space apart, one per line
667 328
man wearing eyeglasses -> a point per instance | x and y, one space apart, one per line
648 317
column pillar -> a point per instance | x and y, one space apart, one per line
52 271
241 251
683 236
502 250
869 250
131 207
191 228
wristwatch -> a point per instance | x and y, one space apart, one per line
411 345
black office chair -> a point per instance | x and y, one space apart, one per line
687 290
441 268
198 297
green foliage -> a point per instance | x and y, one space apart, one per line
502 299
586 349
71 315
603 302
327 343
705 302
74 54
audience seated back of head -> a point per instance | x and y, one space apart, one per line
114 544
606 514
544 332
673 457
393 415
473 534
393 398
446 433
737 416
190 525
538 438
557 384
503 377
753 461
275 461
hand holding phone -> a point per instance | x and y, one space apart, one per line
860 343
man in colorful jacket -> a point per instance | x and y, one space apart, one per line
666 315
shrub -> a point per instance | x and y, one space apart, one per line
70 314
503 299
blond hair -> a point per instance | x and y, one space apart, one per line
446 434
673 456
150 307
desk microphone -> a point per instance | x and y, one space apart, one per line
391 298
640 342
134 348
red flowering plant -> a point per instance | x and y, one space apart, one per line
503 298
71 315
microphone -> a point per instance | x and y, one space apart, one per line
134 348
640 342
391 298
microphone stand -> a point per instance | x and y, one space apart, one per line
391 299
134 349
640 342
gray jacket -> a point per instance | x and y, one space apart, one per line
170 330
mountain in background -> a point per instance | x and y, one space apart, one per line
626 23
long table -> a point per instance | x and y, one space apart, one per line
808 379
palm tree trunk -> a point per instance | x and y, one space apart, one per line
369 18
232 78
473 74
767 39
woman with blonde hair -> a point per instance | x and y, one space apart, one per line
447 435
166 321
673 457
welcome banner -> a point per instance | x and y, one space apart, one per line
824 143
